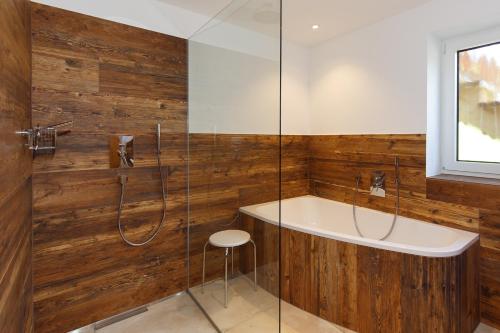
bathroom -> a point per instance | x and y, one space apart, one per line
249 166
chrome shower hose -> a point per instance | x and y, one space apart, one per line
396 213
123 182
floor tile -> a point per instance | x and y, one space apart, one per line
178 314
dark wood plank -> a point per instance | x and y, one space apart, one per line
490 286
228 171
338 283
16 308
15 255
455 190
379 291
371 290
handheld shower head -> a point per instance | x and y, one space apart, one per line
158 137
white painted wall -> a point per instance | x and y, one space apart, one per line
374 80
232 91
237 91
234 74
295 104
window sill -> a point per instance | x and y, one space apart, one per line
465 190
467 179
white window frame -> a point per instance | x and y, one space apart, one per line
449 116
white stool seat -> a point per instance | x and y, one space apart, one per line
229 238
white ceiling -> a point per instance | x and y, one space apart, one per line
335 17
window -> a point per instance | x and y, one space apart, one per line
471 105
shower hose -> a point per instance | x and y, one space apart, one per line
396 213
123 182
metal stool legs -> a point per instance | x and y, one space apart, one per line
232 262
203 273
226 255
254 265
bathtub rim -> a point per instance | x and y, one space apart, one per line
464 242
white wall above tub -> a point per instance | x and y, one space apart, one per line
374 80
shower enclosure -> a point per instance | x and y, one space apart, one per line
234 161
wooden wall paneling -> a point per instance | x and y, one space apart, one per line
338 283
228 171
371 290
490 286
16 310
15 72
15 255
336 160
303 257
379 292
109 79
481 193
266 238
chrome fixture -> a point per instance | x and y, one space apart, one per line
44 138
122 151
378 185
125 147
126 151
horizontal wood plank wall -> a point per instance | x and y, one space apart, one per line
228 171
367 289
335 161
485 194
108 79
16 297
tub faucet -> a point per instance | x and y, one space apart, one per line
378 184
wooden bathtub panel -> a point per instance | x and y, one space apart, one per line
266 238
367 289
337 282
379 291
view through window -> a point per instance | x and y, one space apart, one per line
479 104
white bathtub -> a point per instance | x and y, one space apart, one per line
332 219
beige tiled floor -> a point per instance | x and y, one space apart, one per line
178 314
256 311
249 311
486 329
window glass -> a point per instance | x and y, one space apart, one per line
479 104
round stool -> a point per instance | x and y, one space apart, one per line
229 239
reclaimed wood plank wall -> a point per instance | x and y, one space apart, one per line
108 79
228 171
335 161
16 308
367 289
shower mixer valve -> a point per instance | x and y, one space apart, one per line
378 184
122 151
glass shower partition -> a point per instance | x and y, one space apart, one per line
234 162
